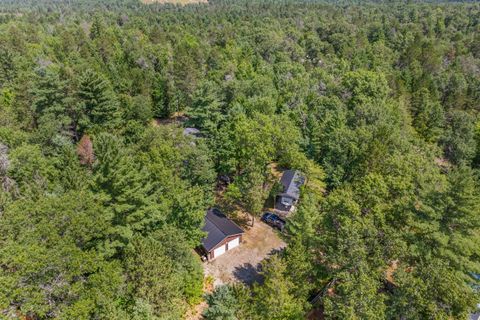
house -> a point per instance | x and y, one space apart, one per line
222 234
291 182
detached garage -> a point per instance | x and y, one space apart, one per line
222 234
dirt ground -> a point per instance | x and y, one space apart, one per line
241 263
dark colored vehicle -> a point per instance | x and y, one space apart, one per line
273 220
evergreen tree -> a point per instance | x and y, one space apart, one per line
186 263
50 105
458 140
98 107
8 69
428 115
273 299
54 270
126 191
222 304
153 278
163 104
300 269
207 111
356 296
97 27
384 97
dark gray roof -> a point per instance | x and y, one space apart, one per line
292 180
218 227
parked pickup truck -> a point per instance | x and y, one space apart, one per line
273 220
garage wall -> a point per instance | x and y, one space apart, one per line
233 243
221 248
219 251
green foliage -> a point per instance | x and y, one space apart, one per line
8 68
166 155
428 116
378 104
421 293
356 297
458 140
365 87
125 189
273 298
163 106
153 279
476 160
56 260
51 115
222 304
186 263
30 169
206 111
300 268
98 108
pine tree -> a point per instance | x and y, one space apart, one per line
153 277
54 270
355 296
273 299
459 137
98 107
222 304
432 290
163 104
186 263
428 115
50 105
207 111
126 191
8 70
300 269
97 27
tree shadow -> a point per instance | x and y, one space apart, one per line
248 274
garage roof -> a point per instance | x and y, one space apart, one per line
218 227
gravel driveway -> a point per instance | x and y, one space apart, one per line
241 263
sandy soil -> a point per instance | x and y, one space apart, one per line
241 264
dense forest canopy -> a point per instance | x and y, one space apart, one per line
378 103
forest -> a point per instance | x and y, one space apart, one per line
102 198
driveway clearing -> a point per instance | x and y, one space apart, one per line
241 263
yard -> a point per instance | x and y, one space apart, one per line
241 264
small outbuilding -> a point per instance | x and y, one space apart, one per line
292 181
222 234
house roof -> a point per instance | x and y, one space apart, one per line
292 180
218 227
